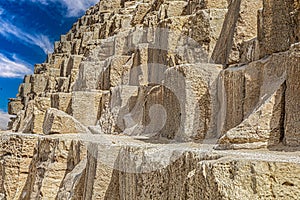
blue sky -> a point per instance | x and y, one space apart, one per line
28 29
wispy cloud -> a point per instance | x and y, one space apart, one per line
13 67
10 31
74 7
4 119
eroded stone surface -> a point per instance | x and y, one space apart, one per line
114 167
140 68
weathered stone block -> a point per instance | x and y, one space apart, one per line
262 128
15 106
113 75
292 103
59 122
277 26
62 101
86 107
41 104
240 25
39 83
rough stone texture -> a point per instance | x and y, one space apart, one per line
15 106
240 26
262 128
291 136
35 167
57 121
143 69
62 101
86 107
250 87
278 26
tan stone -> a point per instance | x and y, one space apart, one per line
41 104
113 75
264 127
86 107
240 26
62 101
15 106
292 100
277 14
59 122
39 83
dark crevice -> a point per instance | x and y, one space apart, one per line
282 117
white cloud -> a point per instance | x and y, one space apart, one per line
10 31
77 6
74 7
13 68
4 119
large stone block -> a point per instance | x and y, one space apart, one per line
32 120
62 101
59 122
292 102
184 107
240 25
41 104
89 75
121 110
114 74
39 83
277 26
260 129
15 106
86 107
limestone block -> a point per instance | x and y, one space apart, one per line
31 121
192 38
89 75
249 51
292 104
122 110
139 74
74 63
170 109
17 153
37 166
27 78
205 27
15 106
57 60
59 122
62 101
73 78
277 14
87 36
112 76
62 47
140 13
41 104
262 128
172 9
39 83
64 68
196 5
233 86
63 84
105 49
25 89
86 107
240 25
